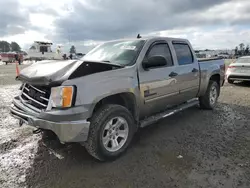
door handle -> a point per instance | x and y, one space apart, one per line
195 70
173 74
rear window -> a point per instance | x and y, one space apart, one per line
183 53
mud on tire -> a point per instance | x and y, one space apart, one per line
101 117
205 101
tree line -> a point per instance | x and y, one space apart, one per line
242 49
9 47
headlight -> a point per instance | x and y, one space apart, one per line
62 96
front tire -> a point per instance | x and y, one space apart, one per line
209 100
111 131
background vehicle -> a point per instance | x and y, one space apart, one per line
239 70
224 55
79 55
9 57
116 88
40 50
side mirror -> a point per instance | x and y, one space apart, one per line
154 61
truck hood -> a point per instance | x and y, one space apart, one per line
54 72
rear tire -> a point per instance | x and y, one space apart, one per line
99 134
209 100
230 81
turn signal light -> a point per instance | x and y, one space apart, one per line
67 96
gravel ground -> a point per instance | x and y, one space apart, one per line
195 148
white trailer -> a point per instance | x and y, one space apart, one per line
42 50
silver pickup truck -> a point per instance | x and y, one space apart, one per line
101 100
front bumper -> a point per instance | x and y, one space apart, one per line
66 131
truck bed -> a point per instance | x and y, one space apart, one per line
210 66
208 59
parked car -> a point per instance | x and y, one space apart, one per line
239 70
79 55
224 55
101 100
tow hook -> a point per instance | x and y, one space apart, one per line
37 131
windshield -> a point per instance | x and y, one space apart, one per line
117 52
243 60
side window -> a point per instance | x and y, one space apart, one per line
183 53
163 50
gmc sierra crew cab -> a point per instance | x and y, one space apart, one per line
101 100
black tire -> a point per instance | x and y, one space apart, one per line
205 102
101 117
230 81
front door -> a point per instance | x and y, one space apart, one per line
158 88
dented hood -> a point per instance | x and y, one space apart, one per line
54 72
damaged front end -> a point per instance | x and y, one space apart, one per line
31 101
34 107
45 104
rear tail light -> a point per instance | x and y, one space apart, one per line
230 67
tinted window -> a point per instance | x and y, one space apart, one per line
162 50
183 53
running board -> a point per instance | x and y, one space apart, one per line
153 119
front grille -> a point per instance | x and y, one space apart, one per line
36 96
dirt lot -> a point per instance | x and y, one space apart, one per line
214 149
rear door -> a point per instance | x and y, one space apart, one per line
187 70
158 89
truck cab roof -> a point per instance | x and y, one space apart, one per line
152 38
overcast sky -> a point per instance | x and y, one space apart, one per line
217 24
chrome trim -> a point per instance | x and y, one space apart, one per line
25 103
44 98
28 105
17 112
26 88
37 89
22 108
34 100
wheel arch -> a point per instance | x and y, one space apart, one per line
125 99
216 78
